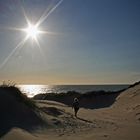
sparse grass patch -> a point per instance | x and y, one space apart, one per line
15 91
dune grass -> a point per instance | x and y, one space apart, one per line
15 91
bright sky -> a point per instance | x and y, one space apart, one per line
88 42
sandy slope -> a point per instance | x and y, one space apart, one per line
119 122
19 134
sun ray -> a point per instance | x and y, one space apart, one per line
45 14
21 29
19 46
11 28
25 15
31 31
48 32
40 49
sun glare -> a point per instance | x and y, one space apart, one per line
32 31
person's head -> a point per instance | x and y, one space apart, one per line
75 100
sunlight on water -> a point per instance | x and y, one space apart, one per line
32 90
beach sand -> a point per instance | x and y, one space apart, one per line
118 122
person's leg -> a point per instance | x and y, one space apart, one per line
76 110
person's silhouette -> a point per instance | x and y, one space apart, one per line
75 105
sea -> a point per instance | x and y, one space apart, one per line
32 90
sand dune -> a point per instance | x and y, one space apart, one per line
17 111
118 122
19 134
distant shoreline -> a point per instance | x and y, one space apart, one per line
32 90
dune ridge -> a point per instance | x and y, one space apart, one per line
120 120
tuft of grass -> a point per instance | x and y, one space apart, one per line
11 88
135 84
8 84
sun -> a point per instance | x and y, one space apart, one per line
32 31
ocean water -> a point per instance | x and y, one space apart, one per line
32 90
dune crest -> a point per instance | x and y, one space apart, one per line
120 121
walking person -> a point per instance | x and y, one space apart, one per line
75 106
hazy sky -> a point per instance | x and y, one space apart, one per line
93 42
